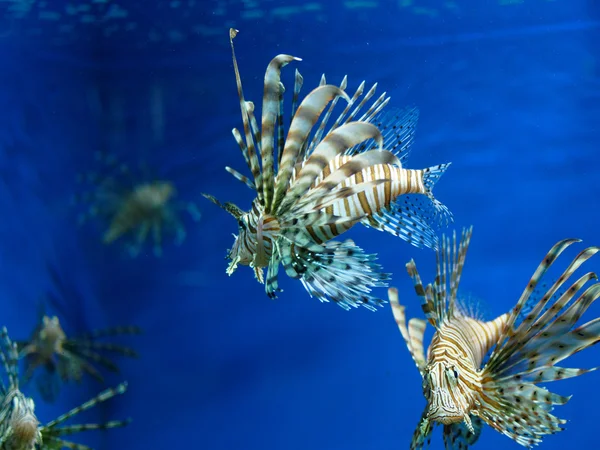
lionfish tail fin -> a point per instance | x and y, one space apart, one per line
415 218
529 349
342 272
431 176
413 334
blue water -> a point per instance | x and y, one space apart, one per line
509 93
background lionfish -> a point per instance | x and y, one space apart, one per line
133 209
325 185
19 426
529 341
50 349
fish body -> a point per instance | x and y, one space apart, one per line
20 429
319 180
463 388
66 359
136 209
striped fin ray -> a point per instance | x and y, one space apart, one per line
244 179
362 103
506 343
457 436
425 295
540 342
250 154
52 432
527 354
280 131
342 273
335 143
319 133
272 95
375 108
240 141
413 335
10 359
298 82
305 118
456 263
102 397
437 303
398 127
341 118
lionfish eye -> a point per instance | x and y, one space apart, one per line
455 372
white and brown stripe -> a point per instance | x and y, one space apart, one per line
329 177
528 342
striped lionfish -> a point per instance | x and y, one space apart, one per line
19 427
463 393
134 210
325 185
50 348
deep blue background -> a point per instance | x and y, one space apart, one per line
509 93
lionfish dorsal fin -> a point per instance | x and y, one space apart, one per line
413 334
272 99
303 121
425 295
437 302
334 144
454 261
249 149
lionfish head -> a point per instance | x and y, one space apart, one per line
155 194
446 394
239 253
24 425
51 336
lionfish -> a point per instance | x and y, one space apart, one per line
19 427
50 348
325 185
133 209
528 342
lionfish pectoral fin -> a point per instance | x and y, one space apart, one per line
469 423
458 436
259 275
232 265
422 435
271 283
341 272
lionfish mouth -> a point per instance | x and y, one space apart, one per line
445 417
26 429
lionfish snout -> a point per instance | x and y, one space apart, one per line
154 195
51 336
24 423
442 407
